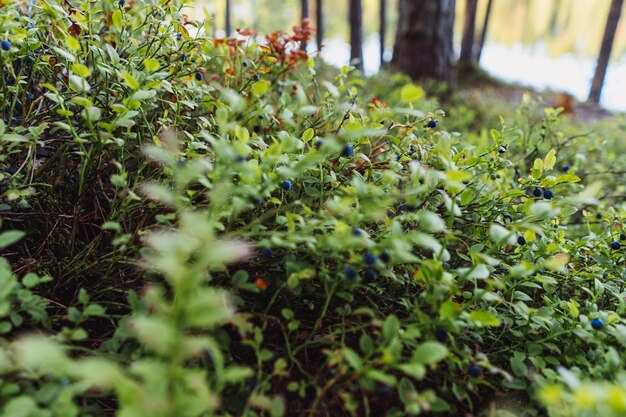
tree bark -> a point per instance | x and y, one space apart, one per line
356 34
423 46
304 14
469 30
483 35
383 30
229 28
605 50
319 19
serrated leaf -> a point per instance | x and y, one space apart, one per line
151 64
130 80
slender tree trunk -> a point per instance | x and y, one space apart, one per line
469 29
304 14
383 30
483 34
605 50
228 23
356 34
319 18
424 39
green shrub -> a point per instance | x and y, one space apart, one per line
232 234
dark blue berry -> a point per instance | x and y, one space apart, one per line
615 245
474 371
179 36
597 324
441 335
244 63
431 124
548 194
267 253
566 167
10 170
258 201
598 215
184 57
30 96
357 232
256 77
6 45
622 236
369 275
385 392
252 384
521 240
318 143
350 273
369 258
121 3
199 76
286 185
508 217
348 150
502 149
384 256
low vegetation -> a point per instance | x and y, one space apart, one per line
196 227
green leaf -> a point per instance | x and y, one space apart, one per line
130 80
308 134
10 237
260 87
429 353
151 64
549 160
391 327
81 70
353 358
484 318
117 19
411 93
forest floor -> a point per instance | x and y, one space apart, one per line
499 94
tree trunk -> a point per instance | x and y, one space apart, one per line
605 50
228 25
469 29
356 34
424 39
304 14
319 18
383 30
483 34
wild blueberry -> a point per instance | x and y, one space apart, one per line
369 275
385 392
622 236
244 63
507 217
502 149
252 384
348 150
256 77
5 45
286 185
548 194
199 76
474 371
597 324
384 256
369 258
521 240
10 170
349 273
318 143
441 335
184 57
357 232
179 36
121 3
598 215
30 96
615 245
566 167
431 123
267 253
258 201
